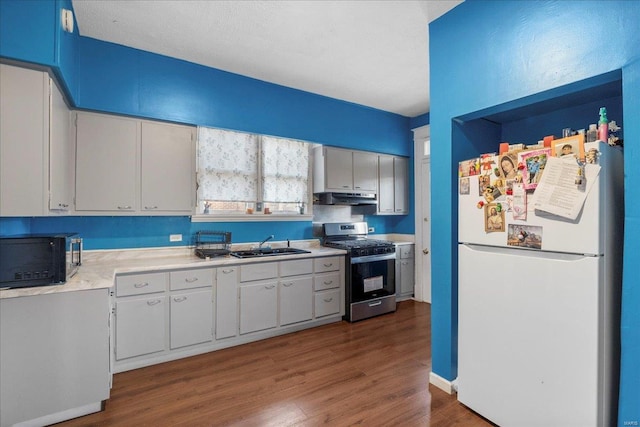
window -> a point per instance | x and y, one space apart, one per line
242 174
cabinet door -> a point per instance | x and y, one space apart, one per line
406 276
296 300
24 141
140 326
386 188
227 302
60 153
365 172
400 175
106 163
191 318
258 307
327 302
168 167
338 169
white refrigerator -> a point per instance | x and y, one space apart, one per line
538 324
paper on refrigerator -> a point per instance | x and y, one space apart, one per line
557 192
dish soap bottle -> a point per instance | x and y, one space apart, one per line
592 133
603 126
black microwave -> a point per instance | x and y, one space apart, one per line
39 259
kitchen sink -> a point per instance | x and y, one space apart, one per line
257 253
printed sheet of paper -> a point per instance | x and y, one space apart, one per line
557 191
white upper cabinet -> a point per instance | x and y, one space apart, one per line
133 166
106 163
60 154
24 141
392 181
340 170
168 162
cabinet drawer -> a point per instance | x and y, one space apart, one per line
406 251
296 268
326 264
189 279
137 284
326 281
327 303
266 270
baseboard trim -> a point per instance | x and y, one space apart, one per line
443 384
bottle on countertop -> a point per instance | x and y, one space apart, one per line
592 133
603 126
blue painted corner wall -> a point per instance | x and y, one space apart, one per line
105 77
488 53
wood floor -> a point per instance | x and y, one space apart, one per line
371 373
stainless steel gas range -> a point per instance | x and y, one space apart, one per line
370 288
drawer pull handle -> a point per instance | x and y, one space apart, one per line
270 286
373 304
179 299
328 265
124 207
328 300
328 283
150 207
193 279
287 284
231 270
154 302
140 285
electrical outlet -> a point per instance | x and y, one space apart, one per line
175 237
372 230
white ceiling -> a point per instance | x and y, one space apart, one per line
373 53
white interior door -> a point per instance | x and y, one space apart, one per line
424 254
422 197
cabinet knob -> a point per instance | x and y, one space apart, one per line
425 251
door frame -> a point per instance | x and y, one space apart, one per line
421 139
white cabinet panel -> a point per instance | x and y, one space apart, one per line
106 163
326 281
326 264
385 185
54 354
258 307
296 300
60 154
140 326
24 141
168 167
296 267
327 302
138 284
339 169
400 184
365 172
259 271
191 318
226 302
190 279
393 180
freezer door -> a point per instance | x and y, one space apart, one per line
530 344
598 225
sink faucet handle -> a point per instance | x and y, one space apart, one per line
268 238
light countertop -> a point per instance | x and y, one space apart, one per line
99 268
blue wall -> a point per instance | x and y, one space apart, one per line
105 77
487 53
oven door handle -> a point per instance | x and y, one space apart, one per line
373 258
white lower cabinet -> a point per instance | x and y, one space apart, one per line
226 302
258 307
405 271
191 318
165 315
140 326
327 302
296 300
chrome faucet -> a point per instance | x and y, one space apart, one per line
263 242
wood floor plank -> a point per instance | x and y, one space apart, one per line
369 373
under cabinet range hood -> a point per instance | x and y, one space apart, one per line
350 199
